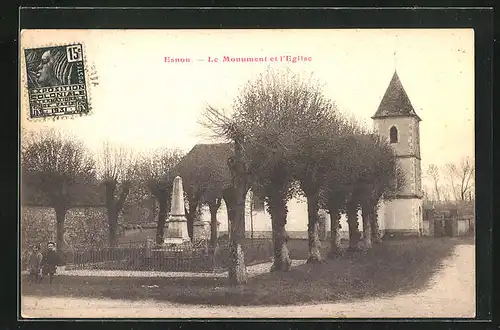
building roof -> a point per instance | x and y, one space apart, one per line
395 102
206 165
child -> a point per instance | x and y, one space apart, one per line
35 264
50 261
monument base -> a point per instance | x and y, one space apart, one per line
174 240
177 230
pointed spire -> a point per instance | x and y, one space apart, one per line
395 62
395 101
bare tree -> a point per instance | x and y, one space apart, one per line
251 210
193 198
340 179
452 175
213 206
115 170
461 178
287 121
156 171
57 166
382 178
433 172
235 194
315 145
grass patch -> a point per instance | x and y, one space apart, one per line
394 267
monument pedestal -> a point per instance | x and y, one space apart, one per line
177 230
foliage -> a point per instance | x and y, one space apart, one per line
156 170
57 167
461 178
154 173
84 227
451 182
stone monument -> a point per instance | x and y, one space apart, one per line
177 230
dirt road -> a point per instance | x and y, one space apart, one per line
451 293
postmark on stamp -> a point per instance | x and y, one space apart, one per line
56 81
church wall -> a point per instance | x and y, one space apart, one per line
408 165
403 215
296 220
408 145
400 215
382 126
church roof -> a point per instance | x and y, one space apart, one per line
395 102
206 166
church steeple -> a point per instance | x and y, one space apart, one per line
397 122
395 102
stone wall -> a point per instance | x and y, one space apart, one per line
86 226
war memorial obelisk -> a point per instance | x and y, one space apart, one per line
177 230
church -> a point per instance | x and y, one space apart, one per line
395 120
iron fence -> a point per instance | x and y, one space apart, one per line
194 258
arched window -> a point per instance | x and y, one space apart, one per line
393 134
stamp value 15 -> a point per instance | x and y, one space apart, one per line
56 81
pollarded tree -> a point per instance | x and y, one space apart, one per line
193 197
285 118
58 166
234 195
339 179
366 185
312 163
277 190
289 123
358 170
115 170
390 180
267 121
381 177
156 171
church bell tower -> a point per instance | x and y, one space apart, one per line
397 121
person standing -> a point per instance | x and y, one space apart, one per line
50 261
35 264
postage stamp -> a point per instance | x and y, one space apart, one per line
56 81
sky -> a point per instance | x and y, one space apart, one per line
143 103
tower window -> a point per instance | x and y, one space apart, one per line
393 135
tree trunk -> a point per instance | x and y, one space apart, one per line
214 208
352 221
60 217
278 210
335 249
367 228
312 229
191 213
229 216
189 221
374 225
162 214
237 273
114 207
113 227
235 201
